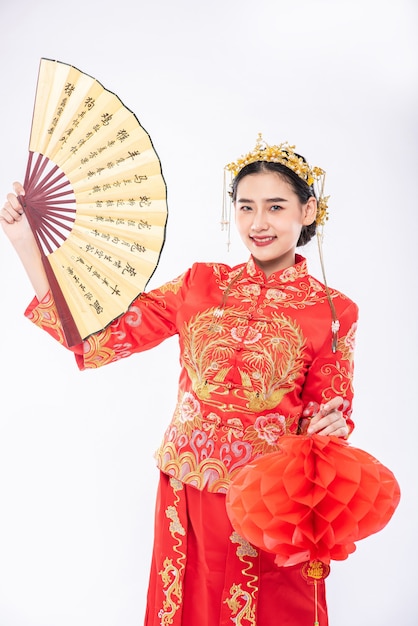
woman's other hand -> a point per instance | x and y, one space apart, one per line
329 420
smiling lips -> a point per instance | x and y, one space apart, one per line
262 241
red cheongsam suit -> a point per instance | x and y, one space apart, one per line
256 358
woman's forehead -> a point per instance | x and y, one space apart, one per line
263 183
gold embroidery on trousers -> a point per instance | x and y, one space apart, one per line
241 601
171 575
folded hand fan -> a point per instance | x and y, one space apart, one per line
95 198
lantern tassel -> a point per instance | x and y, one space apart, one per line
316 622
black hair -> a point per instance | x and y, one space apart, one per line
299 186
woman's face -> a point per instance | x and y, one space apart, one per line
269 217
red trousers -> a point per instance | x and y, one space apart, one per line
205 574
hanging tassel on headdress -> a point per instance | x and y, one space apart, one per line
226 210
321 218
335 324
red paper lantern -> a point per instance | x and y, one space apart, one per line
312 499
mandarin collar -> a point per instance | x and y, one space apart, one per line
287 275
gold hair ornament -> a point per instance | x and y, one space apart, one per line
285 154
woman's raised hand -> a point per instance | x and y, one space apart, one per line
16 226
13 219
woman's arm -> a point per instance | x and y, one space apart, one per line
328 388
16 227
150 319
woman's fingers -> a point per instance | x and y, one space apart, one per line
337 428
18 189
12 209
329 420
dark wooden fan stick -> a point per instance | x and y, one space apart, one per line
43 211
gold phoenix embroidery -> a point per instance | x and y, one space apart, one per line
270 357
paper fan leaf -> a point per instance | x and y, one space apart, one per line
95 198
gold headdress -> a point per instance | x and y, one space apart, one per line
285 154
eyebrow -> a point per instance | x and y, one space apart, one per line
247 201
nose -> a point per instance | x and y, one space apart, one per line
259 221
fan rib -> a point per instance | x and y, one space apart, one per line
52 186
45 182
53 215
48 197
39 203
37 171
48 229
42 237
69 327
52 196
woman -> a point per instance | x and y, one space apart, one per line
266 350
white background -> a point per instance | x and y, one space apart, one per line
338 79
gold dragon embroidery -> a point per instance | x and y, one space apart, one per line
242 601
172 573
241 607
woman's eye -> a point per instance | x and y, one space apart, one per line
245 208
275 207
